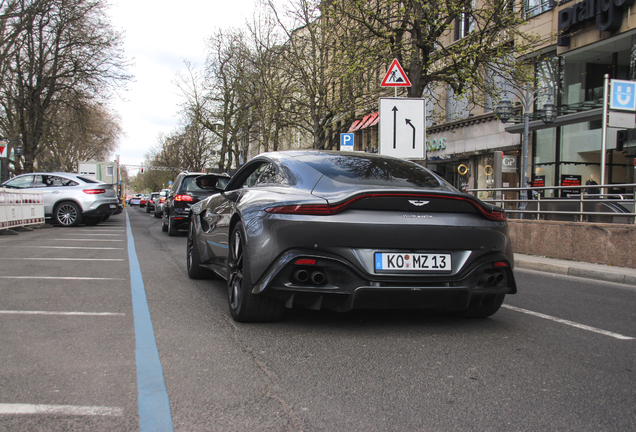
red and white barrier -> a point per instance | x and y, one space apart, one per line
20 208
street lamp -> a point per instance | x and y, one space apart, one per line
505 110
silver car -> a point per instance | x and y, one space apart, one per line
342 231
159 200
69 199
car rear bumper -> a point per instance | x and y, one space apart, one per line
180 218
336 284
101 210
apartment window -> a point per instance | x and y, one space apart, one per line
464 24
533 8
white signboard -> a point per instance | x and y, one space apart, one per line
402 128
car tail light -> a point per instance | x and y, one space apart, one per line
305 261
183 198
94 191
162 200
327 209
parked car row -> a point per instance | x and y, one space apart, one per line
70 199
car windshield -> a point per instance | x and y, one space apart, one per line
371 170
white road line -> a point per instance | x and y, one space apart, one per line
90 240
91 234
71 247
59 277
16 312
570 323
65 259
74 410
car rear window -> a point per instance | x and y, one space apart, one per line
88 179
371 170
190 185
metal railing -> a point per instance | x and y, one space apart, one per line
575 204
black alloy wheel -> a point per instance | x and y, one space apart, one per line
245 306
164 227
172 229
68 214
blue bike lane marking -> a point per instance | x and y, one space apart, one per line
154 406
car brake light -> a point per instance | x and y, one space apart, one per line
305 261
94 191
161 200
183 198
500 264
327 209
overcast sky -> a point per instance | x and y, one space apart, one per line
159 36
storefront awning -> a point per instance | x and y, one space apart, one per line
367 121
354 126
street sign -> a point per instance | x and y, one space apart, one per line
3 149
623 95
402 127
346 142
395 76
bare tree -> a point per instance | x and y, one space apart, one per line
77 130
60 46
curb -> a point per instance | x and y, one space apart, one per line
617 275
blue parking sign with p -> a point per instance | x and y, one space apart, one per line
346 142
623 95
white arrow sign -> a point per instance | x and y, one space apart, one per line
402 128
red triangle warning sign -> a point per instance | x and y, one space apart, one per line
395 77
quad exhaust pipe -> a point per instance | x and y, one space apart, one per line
303 277
491 278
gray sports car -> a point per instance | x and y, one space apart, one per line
340 231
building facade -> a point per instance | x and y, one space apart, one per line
597 37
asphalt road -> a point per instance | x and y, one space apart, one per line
560 355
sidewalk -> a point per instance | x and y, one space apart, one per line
574 268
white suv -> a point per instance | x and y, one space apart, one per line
70 199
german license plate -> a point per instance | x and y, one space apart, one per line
113 206
389 261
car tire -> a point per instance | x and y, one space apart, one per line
244 305
164 227
147 208
93 220
67 214
157 214
172 229
482 306
193 259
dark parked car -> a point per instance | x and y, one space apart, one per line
184 193
349 230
